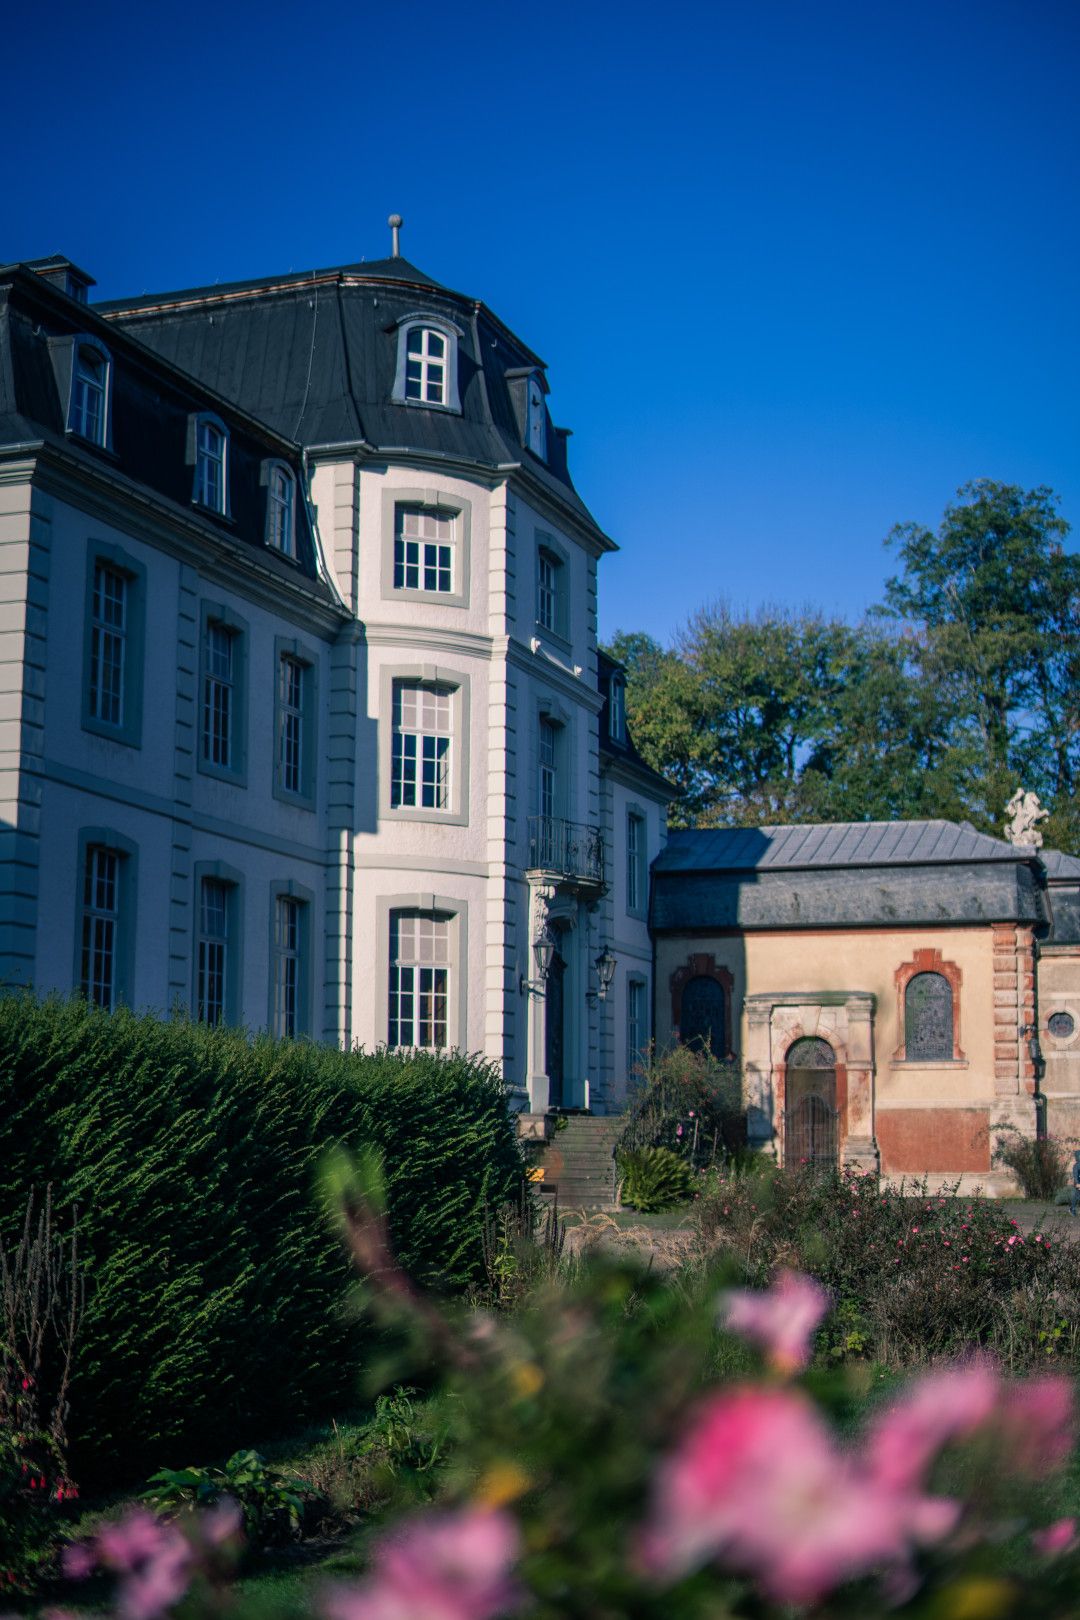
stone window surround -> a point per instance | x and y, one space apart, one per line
457 1002
129 731
221 613
637 811
289 888
702 965
128 850
428 675
453 335
234 942
562 634
844 1018
927 960
443 501
289 647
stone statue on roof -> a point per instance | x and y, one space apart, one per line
1022 816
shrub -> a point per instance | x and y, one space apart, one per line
913 1276
272 1506
1040 1164
217 1297
685 1100
654 1178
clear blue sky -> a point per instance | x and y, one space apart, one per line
799 269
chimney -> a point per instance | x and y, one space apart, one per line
60 272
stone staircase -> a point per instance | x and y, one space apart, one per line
577 1162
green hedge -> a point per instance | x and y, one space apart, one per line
215 1314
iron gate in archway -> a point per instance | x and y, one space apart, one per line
811 1121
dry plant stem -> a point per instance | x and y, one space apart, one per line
42 1295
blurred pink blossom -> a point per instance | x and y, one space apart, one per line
782 1320
1056 1539
759 1485
937 1408
443 1566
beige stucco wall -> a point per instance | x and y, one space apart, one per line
842 984
1059 992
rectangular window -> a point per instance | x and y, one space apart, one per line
617 711
636 1027
100 926
291 678
210 466
424 550
421 759
425 366
288 964
635 862
219 696
108 644
419 980
547 585
213 950
281 498
548 743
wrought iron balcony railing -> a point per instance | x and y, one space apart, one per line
566 848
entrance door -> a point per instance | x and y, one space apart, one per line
554 1034
811 1119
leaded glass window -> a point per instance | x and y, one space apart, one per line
928 1018
703 1017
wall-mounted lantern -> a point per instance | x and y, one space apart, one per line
605 972
543 951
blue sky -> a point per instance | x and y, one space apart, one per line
799 270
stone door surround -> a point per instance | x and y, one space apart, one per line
844 1018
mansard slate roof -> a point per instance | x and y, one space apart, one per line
848 874
315 355
625 752
152 407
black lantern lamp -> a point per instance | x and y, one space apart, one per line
605 972
543 951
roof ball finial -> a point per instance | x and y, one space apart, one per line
395 223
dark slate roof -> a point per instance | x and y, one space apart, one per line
315 355
1060 868
832 845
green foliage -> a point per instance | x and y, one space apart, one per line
217 1299
33 1493
654 1178
272 1506
1040 1164
914 1276
971 689
686 1100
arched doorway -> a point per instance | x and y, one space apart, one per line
811 1117
702 1016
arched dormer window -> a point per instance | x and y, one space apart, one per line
280 484
208 451
89 401
427 363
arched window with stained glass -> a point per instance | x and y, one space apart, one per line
702 1024
928 1018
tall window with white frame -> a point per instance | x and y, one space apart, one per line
108 644
422 746
291 677
288 964
635 862
547 591
213 951
424 544
219 696
89 394
419 980
637 1030
99 969
548 784
281 500
210 451
425 366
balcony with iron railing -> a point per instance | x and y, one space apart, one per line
567 850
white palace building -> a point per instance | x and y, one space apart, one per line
303 723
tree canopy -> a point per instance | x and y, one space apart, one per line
963 684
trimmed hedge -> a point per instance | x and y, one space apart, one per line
216 1311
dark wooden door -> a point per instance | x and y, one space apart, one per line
554 1033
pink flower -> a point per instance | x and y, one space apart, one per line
1036 1425
938 1408
1056 1539
442 1566
782 1320
153 1559
759 1485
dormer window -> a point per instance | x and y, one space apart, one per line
281 509
88 415
617 710
536 425
427 363
211 469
